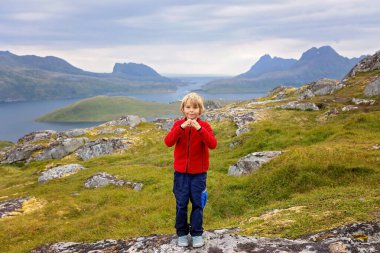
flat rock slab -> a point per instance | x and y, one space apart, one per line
9 206
59 171
103 179
351 238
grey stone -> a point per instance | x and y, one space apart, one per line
164 123
20 153
373 88
252 162
369 63
225 241
358 101
349 108
59 171
9 206
212 104
112 131
129 120
103 179
321 87
242 122
60 149
37 136
100 147
73 133
279 92
300 106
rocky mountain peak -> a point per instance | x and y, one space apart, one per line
322 52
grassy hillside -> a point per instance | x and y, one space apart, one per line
4 144
327 177
104 108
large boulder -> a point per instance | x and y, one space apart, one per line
321 87
341 239
373 88
252 162
60 149
20 153
100 147
59 171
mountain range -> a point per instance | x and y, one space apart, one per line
32 77
268 72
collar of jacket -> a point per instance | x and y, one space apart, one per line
198 119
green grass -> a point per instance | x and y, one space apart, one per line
105 108
4 144
328 176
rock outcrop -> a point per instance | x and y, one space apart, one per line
367 64
59 171
252 162
295 105
48 144
100 147
103 179
373 88
321 87
280 92
364 237
60 149
130 120
9 206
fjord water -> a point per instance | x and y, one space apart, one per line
17 118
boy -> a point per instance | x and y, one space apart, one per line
192 138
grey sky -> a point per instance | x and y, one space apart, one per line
186 37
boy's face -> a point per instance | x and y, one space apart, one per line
191 110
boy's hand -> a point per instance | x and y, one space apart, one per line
195 124
186 123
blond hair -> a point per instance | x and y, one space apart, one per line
194 99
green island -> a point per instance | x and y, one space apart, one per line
104 108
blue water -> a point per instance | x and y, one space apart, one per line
17 118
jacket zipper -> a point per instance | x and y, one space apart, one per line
188 150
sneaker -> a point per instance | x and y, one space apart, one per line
198 241
182 241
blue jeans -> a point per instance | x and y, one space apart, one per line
189 187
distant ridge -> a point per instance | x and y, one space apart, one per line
33 77
268 72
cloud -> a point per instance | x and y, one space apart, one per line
187 36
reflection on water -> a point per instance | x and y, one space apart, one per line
17 119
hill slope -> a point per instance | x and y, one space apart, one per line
37 78
328 176
105 108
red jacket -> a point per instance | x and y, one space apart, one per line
191 146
